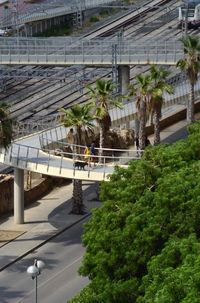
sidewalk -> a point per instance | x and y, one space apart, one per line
50 215
43 220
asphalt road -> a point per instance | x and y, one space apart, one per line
58 283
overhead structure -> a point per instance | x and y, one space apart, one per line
96 52
30 12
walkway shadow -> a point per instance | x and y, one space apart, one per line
61 214
178 135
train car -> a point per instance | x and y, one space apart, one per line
193 18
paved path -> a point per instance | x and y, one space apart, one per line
50 215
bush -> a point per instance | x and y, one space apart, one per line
94 19
143 244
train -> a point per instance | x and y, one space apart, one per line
193 18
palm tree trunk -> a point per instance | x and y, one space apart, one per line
142 130
78 142
77 199
156 128
191 105
101 141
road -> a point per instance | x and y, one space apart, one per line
58 283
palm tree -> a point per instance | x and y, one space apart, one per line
159 86
143 92
191 64
78 117
6 126
103 96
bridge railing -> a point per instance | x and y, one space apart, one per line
99 51
49 140
28 157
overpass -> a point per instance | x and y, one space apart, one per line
25 11
47 152
39 153
96 52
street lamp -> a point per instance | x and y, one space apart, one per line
34 271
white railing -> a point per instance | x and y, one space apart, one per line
63 164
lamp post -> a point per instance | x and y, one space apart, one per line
34 271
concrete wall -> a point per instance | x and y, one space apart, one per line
178 116
43 186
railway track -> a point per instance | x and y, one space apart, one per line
33 98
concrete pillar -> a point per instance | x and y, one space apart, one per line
124 78
18 196
137 124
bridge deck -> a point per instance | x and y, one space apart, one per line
99 52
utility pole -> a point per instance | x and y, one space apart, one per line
186 19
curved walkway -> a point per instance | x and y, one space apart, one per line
50 215
38 153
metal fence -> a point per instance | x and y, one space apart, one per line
55 140
88 52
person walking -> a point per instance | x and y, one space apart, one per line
137 144
93 152
87 153
147 142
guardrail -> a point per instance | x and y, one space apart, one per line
66 164
88 52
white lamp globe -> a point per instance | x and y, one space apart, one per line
40 265
33 271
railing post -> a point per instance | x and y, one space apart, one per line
61 160
73 156
4 155
48 161
104 164
11 153
27 156
88 166
37 159
18 154
56 134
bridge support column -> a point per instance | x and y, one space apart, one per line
124 80
136 127
18 196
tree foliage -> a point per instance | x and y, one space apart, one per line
6 126
143 244
191 64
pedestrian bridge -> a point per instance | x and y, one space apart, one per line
48 153
96 52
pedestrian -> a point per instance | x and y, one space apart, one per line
147 142
93 152
87 153
137 144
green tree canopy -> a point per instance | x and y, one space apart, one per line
142 244
6 125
